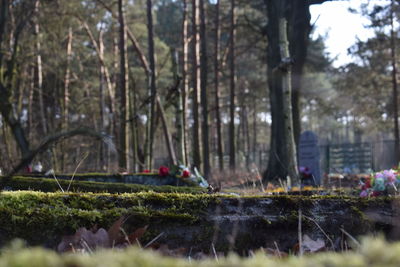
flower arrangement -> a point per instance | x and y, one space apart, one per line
380 183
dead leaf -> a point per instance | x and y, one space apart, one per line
137 234
114 231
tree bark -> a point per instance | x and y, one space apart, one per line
203 89
278 157
123 87
39 69
394 85
152 83
216 84
287 105
67 80
102 106
196 85
298 17
232 149
6 106
185 84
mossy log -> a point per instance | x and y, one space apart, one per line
82 185
196 221
139 178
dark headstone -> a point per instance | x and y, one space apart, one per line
309 154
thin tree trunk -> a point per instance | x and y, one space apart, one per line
102 103
232 149
217 91
39 71
196 85
185 84
203 89
167 133
287 104
30 103
123 85
132 111
394 86
255 131
178 108
67 80
152 83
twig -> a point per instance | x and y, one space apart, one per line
154 240
260 180
73 175
320 228
277 249
85 244
300 234
55 178
127 237
215 252
350 236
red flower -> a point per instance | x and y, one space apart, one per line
163 171
185 174
28 168
368 183
376 194
146 171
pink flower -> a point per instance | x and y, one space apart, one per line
390 176
163 171
146 171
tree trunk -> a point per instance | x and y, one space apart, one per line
232 149
287 104
123 85
39 70
6 106
298 18
152 83
394 86
216 84
65 100
203 89
282 158
167 134
185 84
67 80
196 85
102 103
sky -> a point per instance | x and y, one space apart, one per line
341 28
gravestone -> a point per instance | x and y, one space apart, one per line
309 154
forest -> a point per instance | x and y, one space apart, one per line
189 82
210 133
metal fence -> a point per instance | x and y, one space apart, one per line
347 157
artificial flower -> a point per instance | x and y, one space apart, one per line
185 174
163 171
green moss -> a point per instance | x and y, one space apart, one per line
50 185
34 215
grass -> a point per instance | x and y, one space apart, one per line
372 253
